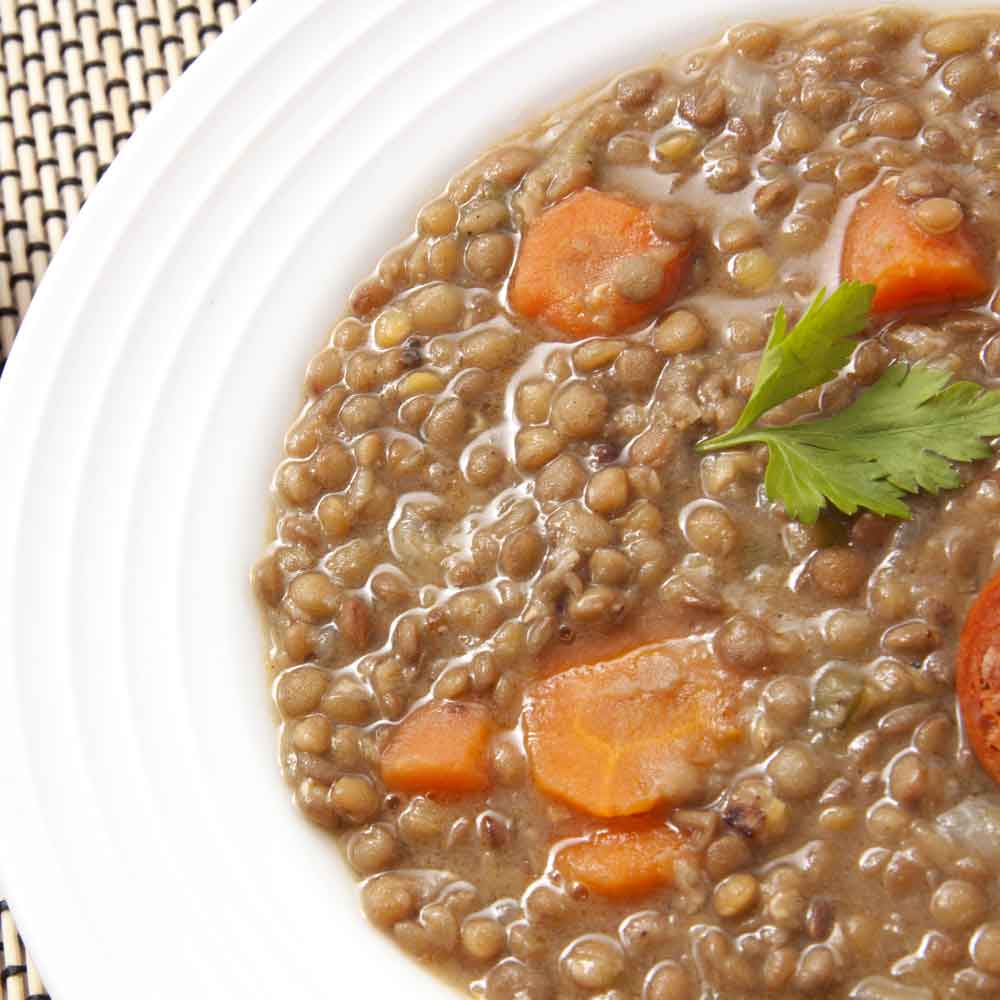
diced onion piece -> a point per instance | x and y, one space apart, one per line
975 823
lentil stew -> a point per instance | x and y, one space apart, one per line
590 713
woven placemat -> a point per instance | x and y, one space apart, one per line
76 79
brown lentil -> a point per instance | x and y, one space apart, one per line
594 963
838 572
466 502
985 948
535 446
710 530
735 895
743 644
579 411
607 491
957 904
372 850
794 772
938 215
482 938
299 691
680 333
562 479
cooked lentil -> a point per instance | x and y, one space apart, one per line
468 504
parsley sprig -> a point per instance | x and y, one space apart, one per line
899 436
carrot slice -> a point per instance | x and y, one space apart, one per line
885 246
441 747
618 737
624 862
977 677
567 259
597 647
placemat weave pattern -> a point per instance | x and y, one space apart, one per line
76 79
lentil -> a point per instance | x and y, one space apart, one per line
608 490
299 691
482 938
436 308
957 904
372 850
314 595
579 411
593 963
985 948
742 643
710 530
535 446
562 479
387 900
679 333
735 895
468 503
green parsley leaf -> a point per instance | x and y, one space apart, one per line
804 477
817 347
900 436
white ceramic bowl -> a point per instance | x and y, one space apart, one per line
149 846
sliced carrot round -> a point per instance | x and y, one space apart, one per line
619 737
440 747
566 263
884 245
977 677
624 862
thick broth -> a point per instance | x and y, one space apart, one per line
466 497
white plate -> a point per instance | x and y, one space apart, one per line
149 846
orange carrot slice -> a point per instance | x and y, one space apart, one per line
884 245
597 647
567 258
621 736
625 862
441 747
977 677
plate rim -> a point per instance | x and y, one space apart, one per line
119 195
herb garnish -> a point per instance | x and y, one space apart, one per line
899 436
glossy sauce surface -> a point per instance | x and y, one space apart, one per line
472 503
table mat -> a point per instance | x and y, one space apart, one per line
77 77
